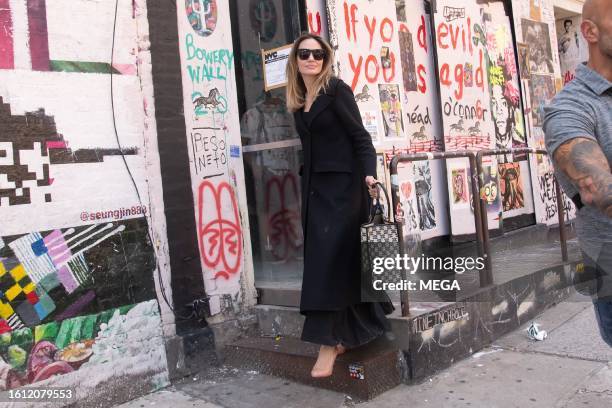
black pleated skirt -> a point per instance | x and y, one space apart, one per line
352 327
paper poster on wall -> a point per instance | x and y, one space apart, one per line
407 209
370 122
573 49
541 91
537 35
459 180
511 186
523 58
391 109
274 66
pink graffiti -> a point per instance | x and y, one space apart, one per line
219 229
509 62
511 93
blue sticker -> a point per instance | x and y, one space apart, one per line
234 151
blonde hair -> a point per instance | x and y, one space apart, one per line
296 89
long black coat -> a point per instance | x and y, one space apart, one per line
338 155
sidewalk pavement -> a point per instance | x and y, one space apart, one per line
571 368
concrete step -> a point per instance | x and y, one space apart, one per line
363 373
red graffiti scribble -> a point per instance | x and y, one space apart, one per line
7 58
220 238
284 223
317 16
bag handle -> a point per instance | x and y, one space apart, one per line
379 184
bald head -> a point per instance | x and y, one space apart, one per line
596 28
594 9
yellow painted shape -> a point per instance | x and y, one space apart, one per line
5 310
18 272
13 292
29 288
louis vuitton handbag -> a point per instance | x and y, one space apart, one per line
380 239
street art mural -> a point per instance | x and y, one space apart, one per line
384 53
31 148
463 60
213 134
76 260
534 24
59 352
202 15
506 104
503 81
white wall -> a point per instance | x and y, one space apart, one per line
213 137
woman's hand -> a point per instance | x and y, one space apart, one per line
372 188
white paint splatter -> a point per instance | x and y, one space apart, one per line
484 353
500 308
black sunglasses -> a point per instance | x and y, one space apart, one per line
304 54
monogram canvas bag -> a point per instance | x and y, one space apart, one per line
379 239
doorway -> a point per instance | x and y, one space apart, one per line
271 148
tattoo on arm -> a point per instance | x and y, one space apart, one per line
586 166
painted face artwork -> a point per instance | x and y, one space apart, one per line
511 188
502 116
202 15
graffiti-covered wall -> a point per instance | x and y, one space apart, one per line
213 137
534 23
383 51
482 108
76 259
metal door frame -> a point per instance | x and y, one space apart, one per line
297 24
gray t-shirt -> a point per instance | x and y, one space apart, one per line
583 109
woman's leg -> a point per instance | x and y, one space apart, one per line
324 366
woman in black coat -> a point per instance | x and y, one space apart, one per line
339 167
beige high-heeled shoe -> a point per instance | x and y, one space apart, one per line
324 366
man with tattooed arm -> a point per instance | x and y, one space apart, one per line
578 128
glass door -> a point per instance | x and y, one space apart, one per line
271 147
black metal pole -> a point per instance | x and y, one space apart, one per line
478 224
488 269
404 298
